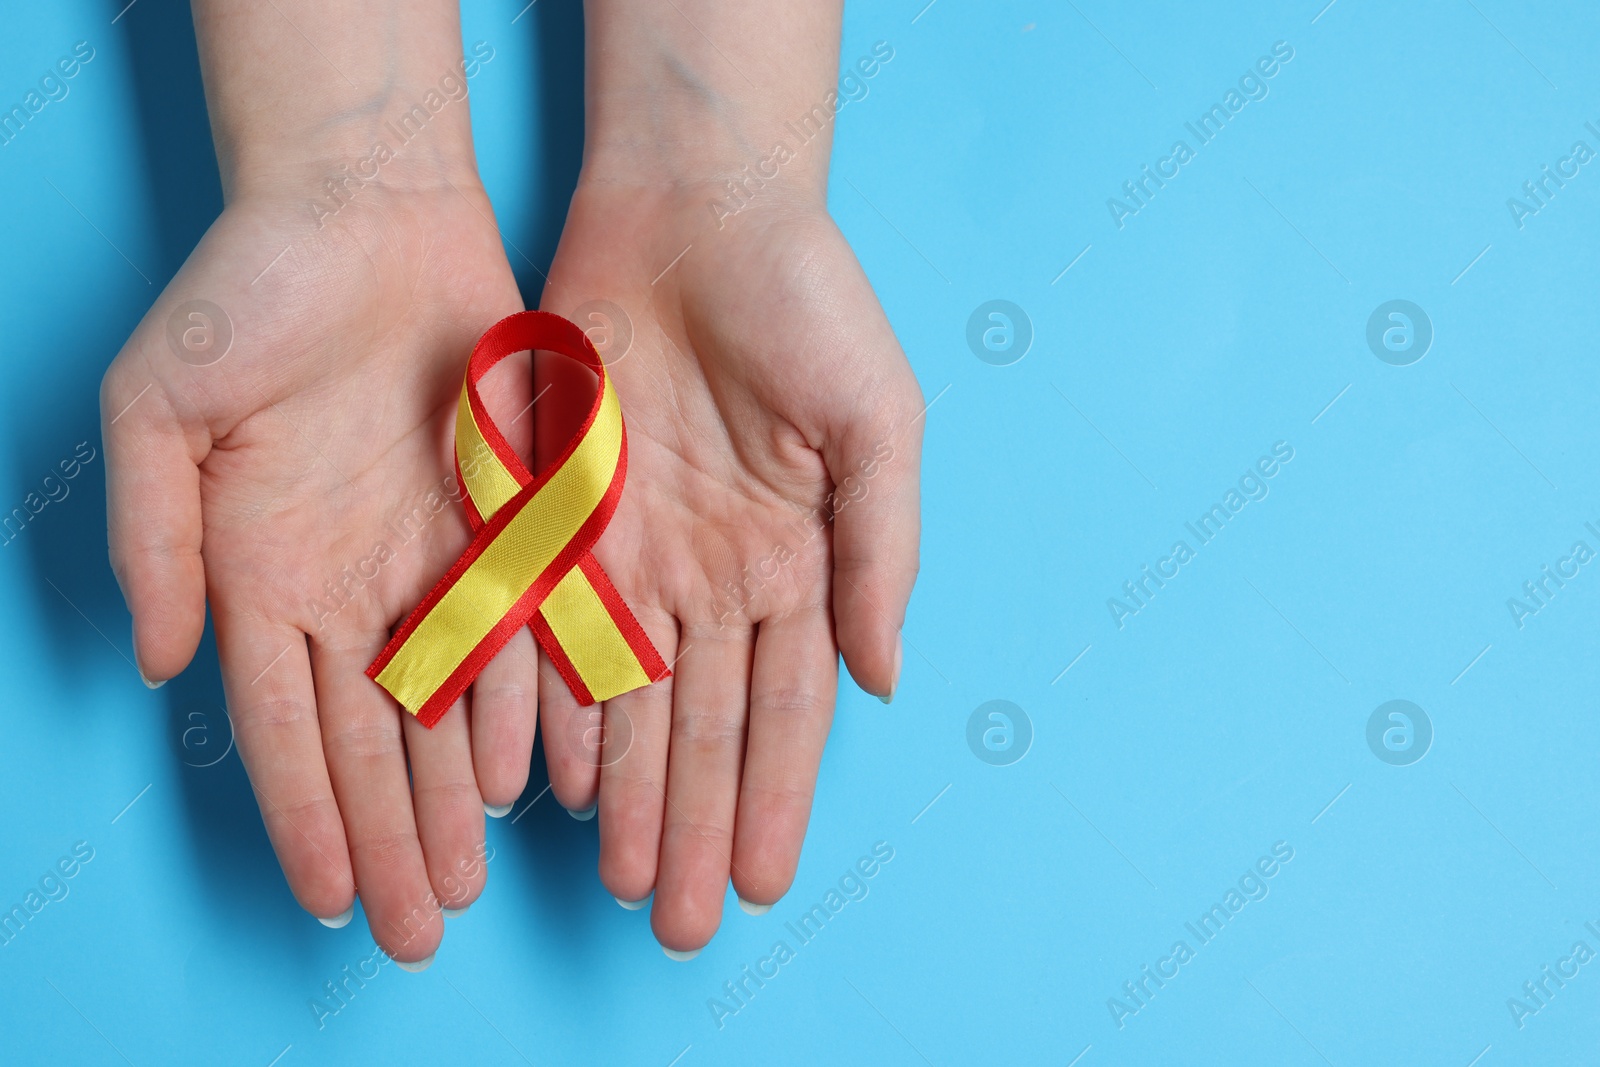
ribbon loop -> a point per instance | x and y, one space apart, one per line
530 562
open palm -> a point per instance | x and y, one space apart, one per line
770 522
297 476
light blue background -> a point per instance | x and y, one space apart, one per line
1223 718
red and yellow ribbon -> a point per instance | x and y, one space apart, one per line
531 561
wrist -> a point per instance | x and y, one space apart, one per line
698 94
335 171
380 97
417 134
700 149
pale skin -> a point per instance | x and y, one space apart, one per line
763 385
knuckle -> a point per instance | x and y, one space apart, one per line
314 818
633 789
713 732
453 797
790 701
712 629
365 738
781 794
273 714
385 851
707 835
503 696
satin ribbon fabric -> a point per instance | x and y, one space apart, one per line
530 562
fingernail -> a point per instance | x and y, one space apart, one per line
497 812
586 814
419 966
453 913
754 909
148 684
340 920
895 683
681 957
632 905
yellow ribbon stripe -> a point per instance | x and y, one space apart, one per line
512 562
573 610
531 560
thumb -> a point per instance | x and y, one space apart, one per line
875 467
153 522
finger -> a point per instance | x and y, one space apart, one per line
710 701
877 523
153 523
574 780
266 677
505 703
792 689
449 808
633 775
367 765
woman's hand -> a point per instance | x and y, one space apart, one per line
770 522
278 441
301 483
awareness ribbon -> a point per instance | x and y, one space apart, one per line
530 562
